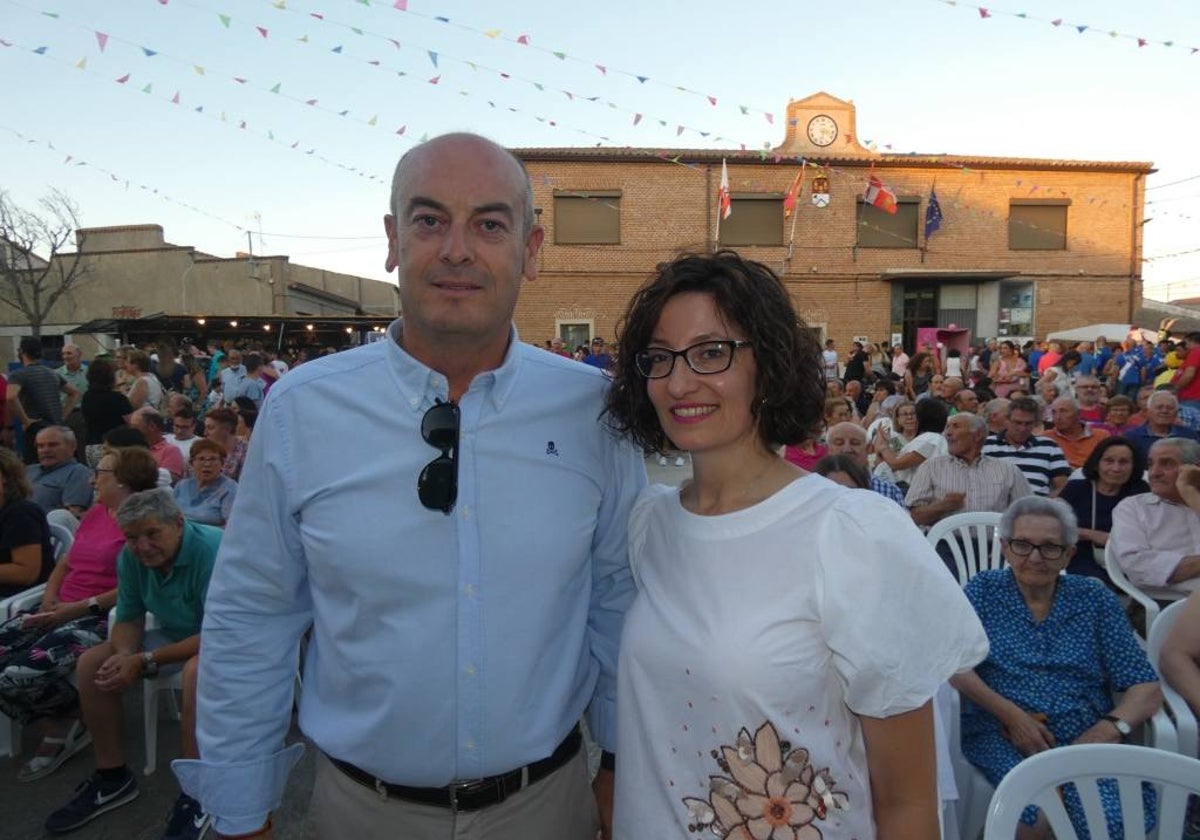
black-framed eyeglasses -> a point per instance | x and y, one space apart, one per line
1049 551
703 358
437 487
98 470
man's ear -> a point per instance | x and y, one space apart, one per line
393 255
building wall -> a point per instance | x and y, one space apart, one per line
668 206
133 272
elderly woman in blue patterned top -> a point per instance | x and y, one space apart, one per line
1061 646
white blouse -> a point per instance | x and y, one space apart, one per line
755 640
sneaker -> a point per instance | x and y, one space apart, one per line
187 821
41 766
662 460
679 462
92 798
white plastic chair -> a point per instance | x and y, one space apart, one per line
1146 597
151 689
973 539
1035 781
1175 706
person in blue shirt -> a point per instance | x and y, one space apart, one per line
445 512
598 357
1130 364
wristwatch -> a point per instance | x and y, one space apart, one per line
150 667
93 605
1124 728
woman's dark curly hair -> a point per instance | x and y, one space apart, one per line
789 392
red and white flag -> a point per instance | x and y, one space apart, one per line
880 196
793 193
723 200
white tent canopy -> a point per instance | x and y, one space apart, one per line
1113 332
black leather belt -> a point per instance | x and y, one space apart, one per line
471 796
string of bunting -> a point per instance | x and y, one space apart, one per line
985 12
102 39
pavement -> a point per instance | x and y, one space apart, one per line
24 807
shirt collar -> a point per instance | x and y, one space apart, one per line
421 384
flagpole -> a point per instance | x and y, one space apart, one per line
787 263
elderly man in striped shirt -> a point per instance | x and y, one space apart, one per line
1040 459
966 479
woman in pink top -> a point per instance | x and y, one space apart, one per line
38 649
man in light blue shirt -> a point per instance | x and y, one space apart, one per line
448 510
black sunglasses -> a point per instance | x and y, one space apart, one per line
437 488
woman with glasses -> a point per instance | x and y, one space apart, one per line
1061 647
788 633
38 649
207 495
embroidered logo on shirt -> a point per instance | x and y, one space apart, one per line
551 449
771 791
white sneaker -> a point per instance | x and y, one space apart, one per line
662 460
679 462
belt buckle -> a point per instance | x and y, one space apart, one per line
455 789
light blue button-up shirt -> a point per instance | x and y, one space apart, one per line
444 647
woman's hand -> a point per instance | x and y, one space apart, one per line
1101 732
1188 484
1028 734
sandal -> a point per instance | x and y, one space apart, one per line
41 766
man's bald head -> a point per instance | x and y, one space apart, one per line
847 439
476 144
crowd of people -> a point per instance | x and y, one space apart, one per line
137 458
457 529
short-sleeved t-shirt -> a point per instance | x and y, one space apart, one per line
92 559
756 640
67 485
1192 390
40 387
24 523
177 598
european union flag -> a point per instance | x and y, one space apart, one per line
933 214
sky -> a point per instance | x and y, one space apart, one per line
274 125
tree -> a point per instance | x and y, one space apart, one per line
36 270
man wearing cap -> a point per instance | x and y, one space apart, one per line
597 358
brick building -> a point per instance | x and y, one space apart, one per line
1025 246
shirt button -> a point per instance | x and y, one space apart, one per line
470 590
469 745
470 670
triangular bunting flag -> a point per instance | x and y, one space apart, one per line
102 40
262 30
149 53
123 79
225 20
81 64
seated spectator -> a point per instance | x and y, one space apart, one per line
38 649
123 437
1111 474
900 467
153 425
247 416
1118 412
1090 395
164 569
207 495
220 424
805 455
26 557
183 426
850 440
844 470
104 408
1155 536
1039 459
1075 438
964 479
1162 412
1016 703
995 413
60 483
966 400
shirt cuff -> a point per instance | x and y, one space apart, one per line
239 795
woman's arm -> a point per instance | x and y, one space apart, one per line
1096 537
1179 660
25 566
50 596
901 758
1137 704
1025 732
900 460
138 393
